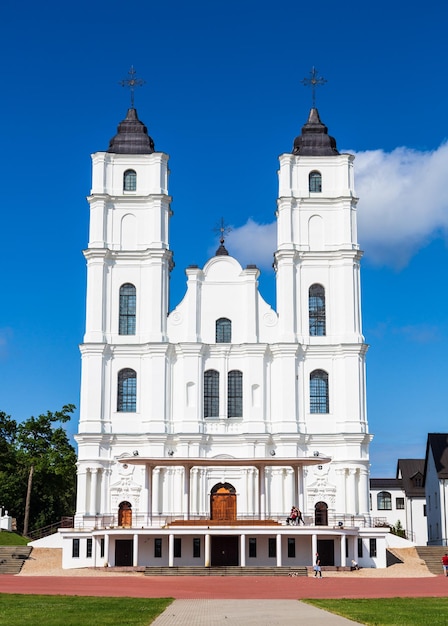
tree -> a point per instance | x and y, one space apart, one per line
40 479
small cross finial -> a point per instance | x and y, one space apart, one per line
132 82
314 81
223 230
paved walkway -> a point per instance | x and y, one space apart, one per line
246 613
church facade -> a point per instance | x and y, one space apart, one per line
202 425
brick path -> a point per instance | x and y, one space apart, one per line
226 587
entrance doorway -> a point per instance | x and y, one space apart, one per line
124 549
325 548
125 514
224 551
321 514
223 502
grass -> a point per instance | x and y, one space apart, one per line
29 610
12 539
389 611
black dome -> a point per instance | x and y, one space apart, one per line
314 140
132 136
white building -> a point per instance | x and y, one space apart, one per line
402 499
436 488
201 426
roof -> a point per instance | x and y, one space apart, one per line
386 483
437 443
411 471
314 140
132 136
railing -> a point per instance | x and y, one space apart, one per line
142 521
45 531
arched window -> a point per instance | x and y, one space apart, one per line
223 330
130 180
235 394
127 391
128 299
316 310
211 393
384 501
319 392
315 182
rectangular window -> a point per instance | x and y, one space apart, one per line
399 503
102 547
89 548
252 547
291 548
272 548
424 510
196 547
177 547
75 548
157 548
372 547
360 547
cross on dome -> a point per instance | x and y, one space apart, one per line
132 82
314 81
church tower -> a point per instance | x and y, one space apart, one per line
318 303
128 267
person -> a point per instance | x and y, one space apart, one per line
292 519
354 566
317 568
445 563
299 517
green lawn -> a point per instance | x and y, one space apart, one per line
390 611
29 610
12 539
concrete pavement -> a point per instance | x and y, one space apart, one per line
246 613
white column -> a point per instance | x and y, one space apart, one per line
186 492
278 539
364 506
194 491
171 550
135 551
155 491
243 551
355 548
207 551
351 491
93 490
300 488
105 507
261 492
343 550
149 470
313 547
81 497
106 548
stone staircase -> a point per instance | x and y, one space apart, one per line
12 558
432 555
226 571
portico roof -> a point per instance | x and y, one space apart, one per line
272 461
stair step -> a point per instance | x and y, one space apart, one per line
225 571
12 558
432 555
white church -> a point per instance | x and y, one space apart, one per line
201 426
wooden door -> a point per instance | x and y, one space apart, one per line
224 551
321 514
123 552
125 514
223 503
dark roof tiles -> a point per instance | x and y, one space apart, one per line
132 136
314 140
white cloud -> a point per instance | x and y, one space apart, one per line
403 205
403 201
254 243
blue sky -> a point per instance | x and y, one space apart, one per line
223 97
